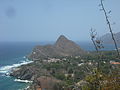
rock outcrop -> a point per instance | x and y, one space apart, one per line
62 47
43 83
41 78
29 72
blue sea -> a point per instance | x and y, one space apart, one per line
12 54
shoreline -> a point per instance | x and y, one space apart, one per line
8 69
23 81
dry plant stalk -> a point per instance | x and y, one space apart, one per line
109 26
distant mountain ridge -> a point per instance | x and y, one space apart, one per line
62 47
107 38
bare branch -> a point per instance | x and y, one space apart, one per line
110 28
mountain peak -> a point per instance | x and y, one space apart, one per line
62 47
61 39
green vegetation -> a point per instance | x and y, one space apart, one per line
82 72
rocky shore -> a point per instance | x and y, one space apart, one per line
40 78
41 75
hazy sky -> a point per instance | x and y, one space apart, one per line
45 20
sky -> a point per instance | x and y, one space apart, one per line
46 20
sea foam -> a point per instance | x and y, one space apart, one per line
23 81
6 69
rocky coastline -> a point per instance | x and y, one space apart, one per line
43 55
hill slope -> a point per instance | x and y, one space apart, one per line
62 47
108 39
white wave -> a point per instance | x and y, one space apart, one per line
23 81
8 68
24 57
25 88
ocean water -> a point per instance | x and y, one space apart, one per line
12 54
